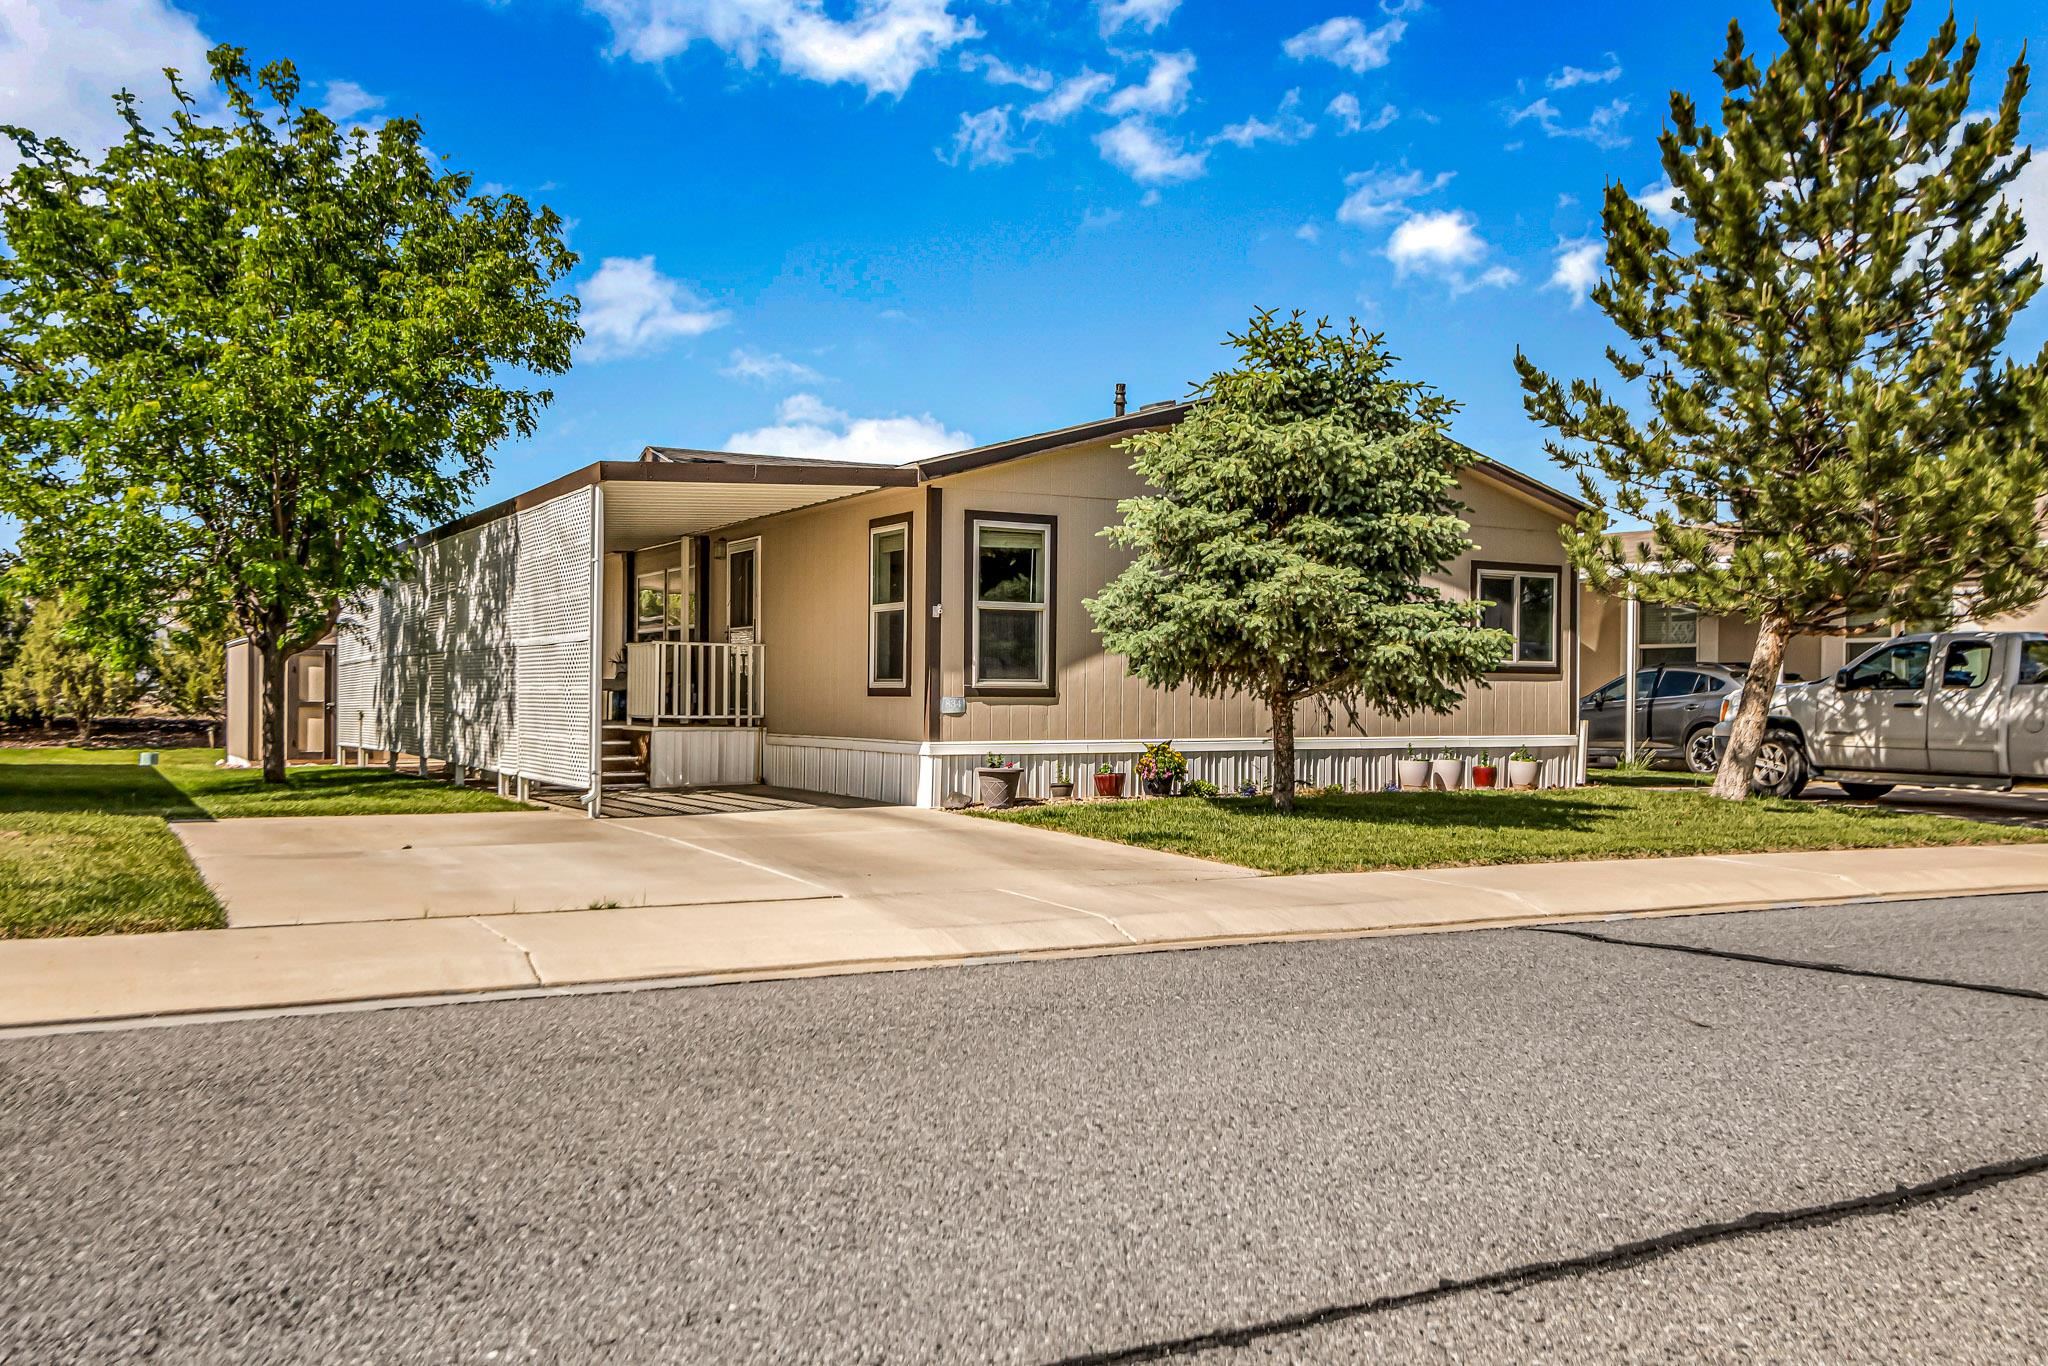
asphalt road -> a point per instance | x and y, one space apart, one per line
1502 1145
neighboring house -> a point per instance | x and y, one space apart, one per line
1678 634
874 631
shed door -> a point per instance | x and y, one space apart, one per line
309 701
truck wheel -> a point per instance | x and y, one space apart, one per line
1867 792
1781 769
1700 756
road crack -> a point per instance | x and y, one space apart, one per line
1618 1257
1808 965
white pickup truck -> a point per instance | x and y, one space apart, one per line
1948 709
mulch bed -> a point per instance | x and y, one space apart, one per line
125 732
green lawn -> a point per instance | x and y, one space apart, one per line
85 847
1446 829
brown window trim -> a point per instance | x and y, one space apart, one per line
1565 621
1027 692
904 520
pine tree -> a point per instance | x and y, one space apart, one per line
1300 505
1820 421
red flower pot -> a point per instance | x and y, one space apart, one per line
1109 784
1483 775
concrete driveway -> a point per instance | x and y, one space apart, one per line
334 869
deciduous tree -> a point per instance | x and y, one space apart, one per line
1301 505
57 672
242 361
1819 419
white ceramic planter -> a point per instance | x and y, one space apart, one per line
1523 772
1412 773
1448 774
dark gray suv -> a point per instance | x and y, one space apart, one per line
1676 707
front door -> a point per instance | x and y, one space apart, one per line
1875 715
1964 720
309 704
1606 711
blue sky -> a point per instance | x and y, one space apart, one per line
884 228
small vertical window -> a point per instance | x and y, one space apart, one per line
742 586
1012 593
888 607
1967 664
1523 604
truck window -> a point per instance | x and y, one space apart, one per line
2034 661
1899 666
1967 664
1678 683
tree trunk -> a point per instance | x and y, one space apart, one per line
1746 733
1283 752
273 712
83 721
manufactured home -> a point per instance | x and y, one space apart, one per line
697 618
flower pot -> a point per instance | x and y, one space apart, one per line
1484 775
1159 787
1109 784
1412 773
1447 774
1523 772
1062 791
997 787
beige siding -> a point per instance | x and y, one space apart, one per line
1096 695
814 618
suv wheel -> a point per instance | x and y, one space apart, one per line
1699 751
1781 769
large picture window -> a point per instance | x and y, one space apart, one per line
1010 575
889 608
1524 603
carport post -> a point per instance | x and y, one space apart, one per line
1631 650
596 648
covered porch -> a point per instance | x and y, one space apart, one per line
684 688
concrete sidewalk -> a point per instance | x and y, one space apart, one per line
59 981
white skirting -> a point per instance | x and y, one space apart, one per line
909 773
703 756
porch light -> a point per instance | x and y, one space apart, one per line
718 548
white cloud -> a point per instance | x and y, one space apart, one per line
881 45
1577 269
1069 97
346 99
1579 75
630 307
1602 128
1347 42
767 367
983 139
1140 151
1165 90
1287 125
1100 218
1378 195
1149 15
1446 245
60 65
1308 232
806 426
1344 108
996 71
1661 201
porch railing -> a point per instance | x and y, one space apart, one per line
693 682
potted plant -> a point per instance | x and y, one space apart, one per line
1447 770
1062 783
1483 771
1160 768
1523 770
1108 782
1412 769
995 782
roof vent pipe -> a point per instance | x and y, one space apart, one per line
1119 399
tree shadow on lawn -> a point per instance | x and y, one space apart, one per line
95 789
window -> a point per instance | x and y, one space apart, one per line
1011 576
742 585
888 608
1669 633
664 603
1680 683
1967 664
1900 666
2034 661
1524 604
1615 694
